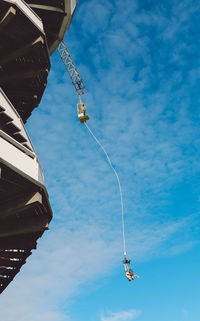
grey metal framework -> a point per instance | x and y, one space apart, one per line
26 47
71 69
25 215
56 16
30 30
24 57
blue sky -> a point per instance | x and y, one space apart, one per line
141 65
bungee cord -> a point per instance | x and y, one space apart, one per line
119 184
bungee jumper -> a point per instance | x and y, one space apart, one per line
128 271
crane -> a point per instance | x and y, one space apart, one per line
75 78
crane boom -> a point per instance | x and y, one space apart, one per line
71 69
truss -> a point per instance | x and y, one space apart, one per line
71 69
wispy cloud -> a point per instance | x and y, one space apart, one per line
122 315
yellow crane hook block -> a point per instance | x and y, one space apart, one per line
81 110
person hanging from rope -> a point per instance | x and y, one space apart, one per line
128 271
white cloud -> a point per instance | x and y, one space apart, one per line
122 316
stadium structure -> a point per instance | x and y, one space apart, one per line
30 31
